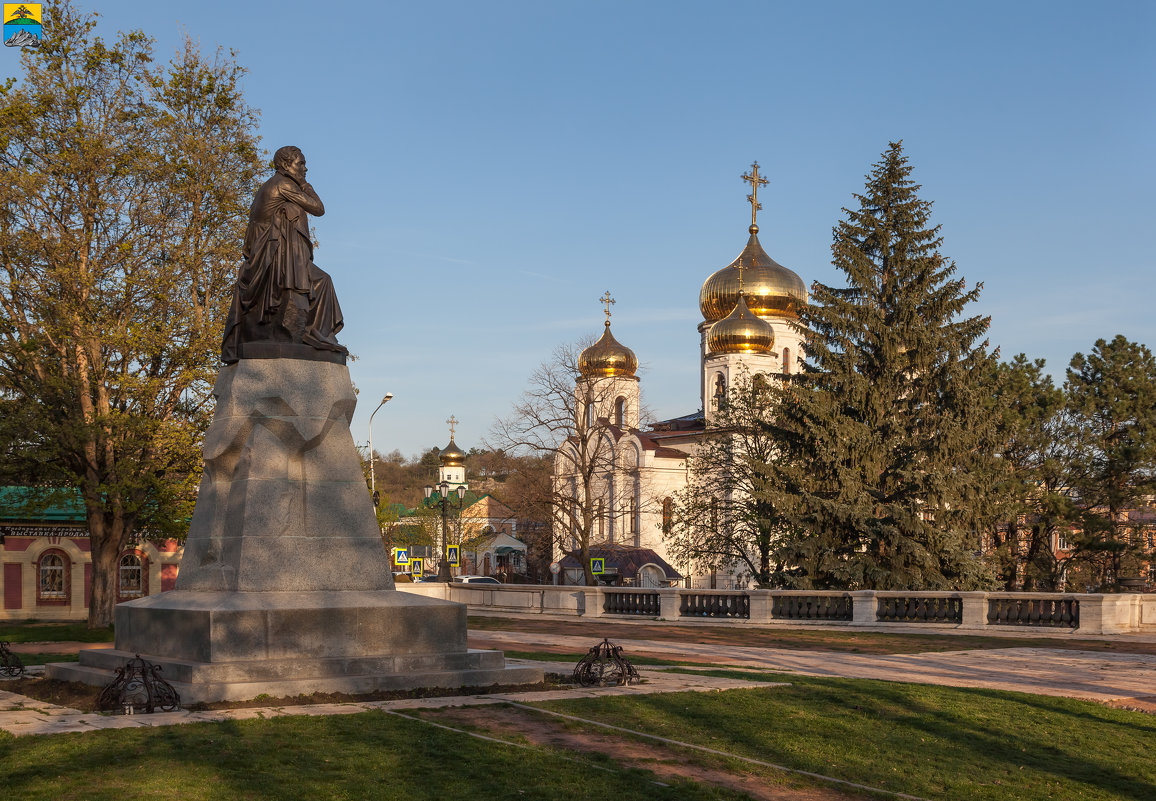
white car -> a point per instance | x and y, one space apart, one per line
476 580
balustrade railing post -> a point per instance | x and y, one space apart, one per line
594 601
668 604
863 608
974 610
760 606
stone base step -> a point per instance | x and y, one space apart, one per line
241 689
304 667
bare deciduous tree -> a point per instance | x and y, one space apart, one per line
568 417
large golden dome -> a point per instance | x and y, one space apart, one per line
741 332
451 455
607 357
770 289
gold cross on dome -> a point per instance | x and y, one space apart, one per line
453 421
607 301
755 180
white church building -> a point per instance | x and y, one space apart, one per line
749 308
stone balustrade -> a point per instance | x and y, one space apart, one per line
1086 613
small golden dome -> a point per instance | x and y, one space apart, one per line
741 332
451 455
607 357
770 289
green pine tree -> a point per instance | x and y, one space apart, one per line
1112 397
1033 484
886 438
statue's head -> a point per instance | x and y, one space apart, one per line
287 160
285 155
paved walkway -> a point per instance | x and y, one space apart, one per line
1043 671
26 716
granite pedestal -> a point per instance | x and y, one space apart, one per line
285 586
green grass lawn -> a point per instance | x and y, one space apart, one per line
37 631
365 756
935 742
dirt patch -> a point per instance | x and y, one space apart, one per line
83 697
668 764
62 693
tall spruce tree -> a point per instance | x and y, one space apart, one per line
886 439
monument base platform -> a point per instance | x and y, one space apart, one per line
233 646
241 681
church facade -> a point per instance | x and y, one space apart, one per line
632 474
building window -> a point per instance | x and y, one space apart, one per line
720 390
667 515
601 514
786 361
53 577
130 576
620 412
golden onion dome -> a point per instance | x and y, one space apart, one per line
451 455
741 332
607 357
770 289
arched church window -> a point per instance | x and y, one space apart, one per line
53 578
786 361
620 412
720 390
130 576
759 385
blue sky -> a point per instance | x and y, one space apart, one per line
490 169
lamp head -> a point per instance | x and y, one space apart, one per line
388 397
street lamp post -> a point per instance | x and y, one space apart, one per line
444 491
372 473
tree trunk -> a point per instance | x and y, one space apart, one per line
587 571
106 542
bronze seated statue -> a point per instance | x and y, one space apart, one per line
283 304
